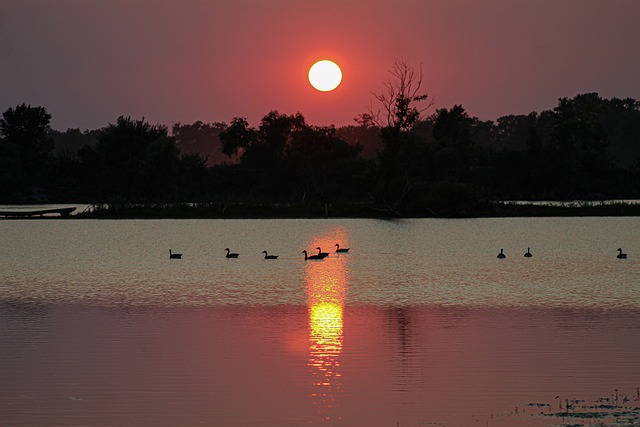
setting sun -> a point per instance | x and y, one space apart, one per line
325 75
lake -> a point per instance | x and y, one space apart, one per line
418 325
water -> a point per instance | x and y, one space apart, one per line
420 324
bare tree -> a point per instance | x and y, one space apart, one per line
401 102
399 107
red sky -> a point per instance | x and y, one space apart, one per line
169 61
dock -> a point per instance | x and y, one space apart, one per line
63 212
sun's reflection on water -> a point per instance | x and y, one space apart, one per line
325 341
326 288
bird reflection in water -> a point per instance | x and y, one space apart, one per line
326 288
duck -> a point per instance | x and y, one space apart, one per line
528 254
501 254
267 256
308 257
231 254
322 254
341 250
621 255
174 256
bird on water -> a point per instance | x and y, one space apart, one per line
267 256
231 254
341 250
174 256
501 254
322 254
621 255
308 257
528 254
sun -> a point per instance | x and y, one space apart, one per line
325 75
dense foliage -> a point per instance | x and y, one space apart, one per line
448 163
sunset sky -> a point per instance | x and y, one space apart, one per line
169 61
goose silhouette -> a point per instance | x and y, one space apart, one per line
528 254
341 250
230 254
621 255
501 254
322 254
312 257
174 256
267 256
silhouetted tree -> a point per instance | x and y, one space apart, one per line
284 159
12 180
125 143
460 166
133 160
620 119
265 144
323 167
512 132
200 138
399 107
25 131
454 127
581 144
69 142
444 164
401 103
192 179
262 151
277 130
28 129
367 137
237 137
540 161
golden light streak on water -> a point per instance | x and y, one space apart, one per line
325 341
326 288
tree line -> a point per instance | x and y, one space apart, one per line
395 160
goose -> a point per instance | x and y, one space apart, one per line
341 250
621 255
501 254
231 254
316 257
322 254
174 256
267 256
528 254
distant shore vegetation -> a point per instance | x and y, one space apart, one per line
348 210
402 160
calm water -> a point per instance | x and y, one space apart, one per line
419 325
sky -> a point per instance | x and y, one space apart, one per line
90 61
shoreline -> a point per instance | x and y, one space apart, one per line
352 210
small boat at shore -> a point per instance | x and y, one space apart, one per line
63 212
